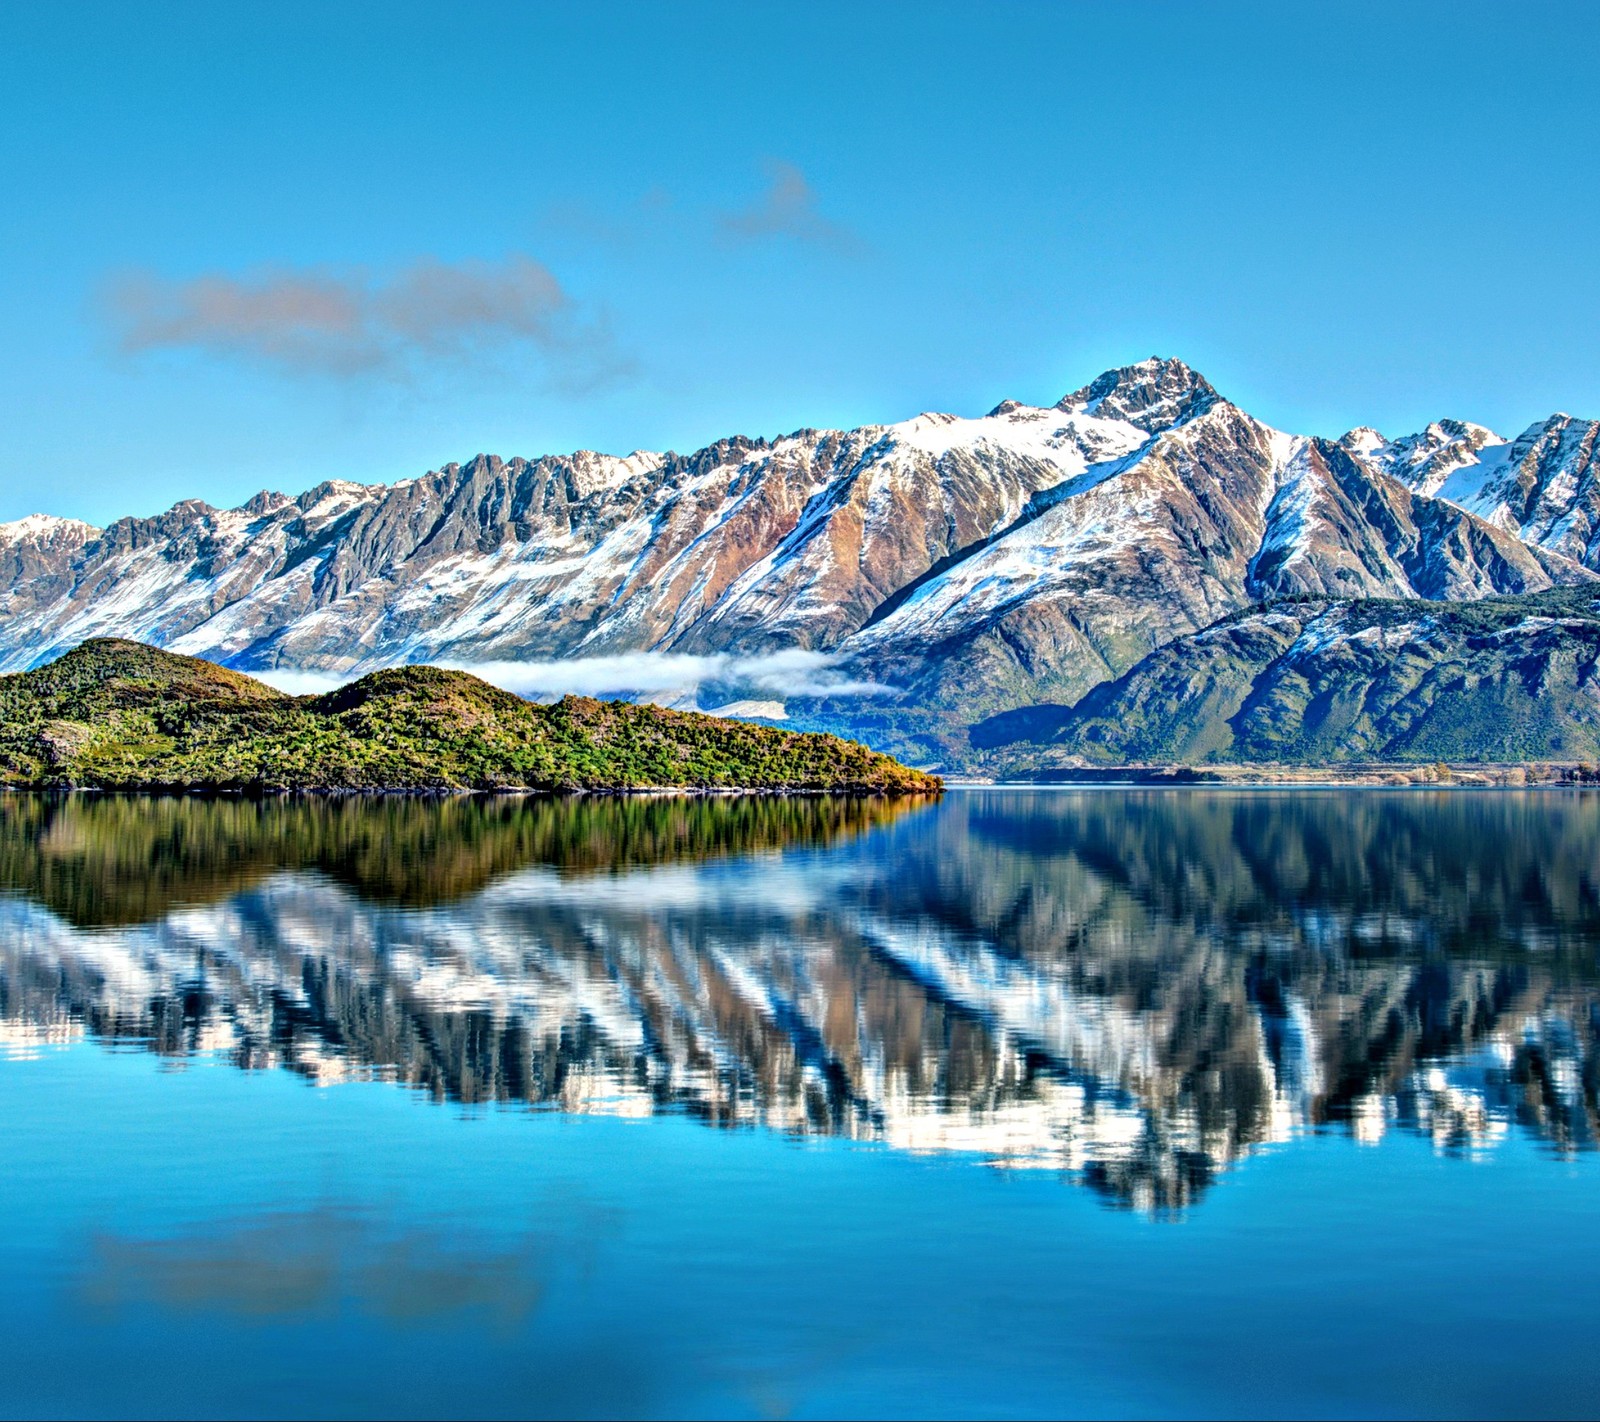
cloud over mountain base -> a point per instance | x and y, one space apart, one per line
642 676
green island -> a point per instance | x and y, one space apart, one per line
119 715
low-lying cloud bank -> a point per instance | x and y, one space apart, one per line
636 674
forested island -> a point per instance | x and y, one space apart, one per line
119 715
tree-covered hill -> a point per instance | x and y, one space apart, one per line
119 715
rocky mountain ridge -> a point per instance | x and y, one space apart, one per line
971 566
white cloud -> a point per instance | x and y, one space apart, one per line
639 674
787 673
300 683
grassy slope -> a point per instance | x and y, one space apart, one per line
120 715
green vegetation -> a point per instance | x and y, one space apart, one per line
118 715
1303 681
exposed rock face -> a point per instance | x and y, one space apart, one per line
38 555
974 564
1153 395
1338 527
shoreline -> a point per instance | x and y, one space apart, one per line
1096 778
1369 775
443 792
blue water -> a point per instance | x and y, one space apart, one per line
1112 1103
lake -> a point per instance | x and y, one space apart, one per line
1066 1102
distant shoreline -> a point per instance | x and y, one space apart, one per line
1361 775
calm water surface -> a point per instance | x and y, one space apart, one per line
1105 1102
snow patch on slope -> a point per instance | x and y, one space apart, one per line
1069 440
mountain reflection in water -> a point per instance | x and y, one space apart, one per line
1135 988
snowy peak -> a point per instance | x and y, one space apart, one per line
972 564
1154 395
1543 487
1548 487
1339 525
45 529
1561 437
1423 462
1363 440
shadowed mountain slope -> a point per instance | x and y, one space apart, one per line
1319 682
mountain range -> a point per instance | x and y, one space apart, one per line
904 583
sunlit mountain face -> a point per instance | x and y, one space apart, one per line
1133 989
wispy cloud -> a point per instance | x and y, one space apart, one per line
637 674
788 209
311 321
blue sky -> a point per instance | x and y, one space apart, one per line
258 245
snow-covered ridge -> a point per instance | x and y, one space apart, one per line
1046 432
1542 487
1424 461
40 528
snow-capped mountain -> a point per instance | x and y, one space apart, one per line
972 564
1544 486
1424 461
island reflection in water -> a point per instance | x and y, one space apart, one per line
1134 988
